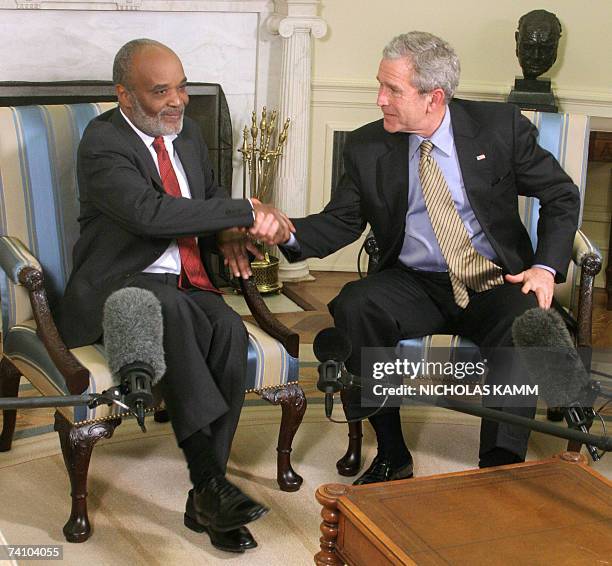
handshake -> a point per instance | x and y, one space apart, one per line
271 227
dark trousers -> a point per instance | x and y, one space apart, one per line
205 345
399 303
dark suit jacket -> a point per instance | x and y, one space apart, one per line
127 220
374 190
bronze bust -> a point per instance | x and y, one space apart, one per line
537 39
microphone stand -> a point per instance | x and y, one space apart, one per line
112 396
604 443
580 414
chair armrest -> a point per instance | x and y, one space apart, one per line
585 254
14 257
588 258
266 320
24 269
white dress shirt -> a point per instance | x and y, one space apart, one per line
170 260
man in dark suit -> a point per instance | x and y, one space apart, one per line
437 179
150 210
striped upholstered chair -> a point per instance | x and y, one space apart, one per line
566 137
38 227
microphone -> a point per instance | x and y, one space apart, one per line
549 354
332 348
133 340
547 350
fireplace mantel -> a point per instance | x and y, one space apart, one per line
257 6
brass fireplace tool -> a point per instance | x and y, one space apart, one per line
261 150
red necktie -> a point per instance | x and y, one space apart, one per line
191 262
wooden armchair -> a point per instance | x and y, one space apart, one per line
38 227
566 136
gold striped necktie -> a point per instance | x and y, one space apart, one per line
466 267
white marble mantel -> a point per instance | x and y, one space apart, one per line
259 6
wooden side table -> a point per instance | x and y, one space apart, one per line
556 511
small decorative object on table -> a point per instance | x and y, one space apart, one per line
261 150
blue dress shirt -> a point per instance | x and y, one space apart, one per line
420 249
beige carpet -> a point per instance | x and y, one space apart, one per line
138 484
4 555
277 303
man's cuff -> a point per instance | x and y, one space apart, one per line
292 244
550 269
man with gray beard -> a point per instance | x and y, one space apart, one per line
149 210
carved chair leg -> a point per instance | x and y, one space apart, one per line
293 405
9 387
574 446
77 443
554 414
350 463
161 416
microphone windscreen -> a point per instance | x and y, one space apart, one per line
547 350
541 328
331 344
133 331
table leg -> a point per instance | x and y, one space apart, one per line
327 495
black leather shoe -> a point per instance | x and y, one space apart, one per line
382 470
237 540
221 505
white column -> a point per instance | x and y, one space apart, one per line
295 27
